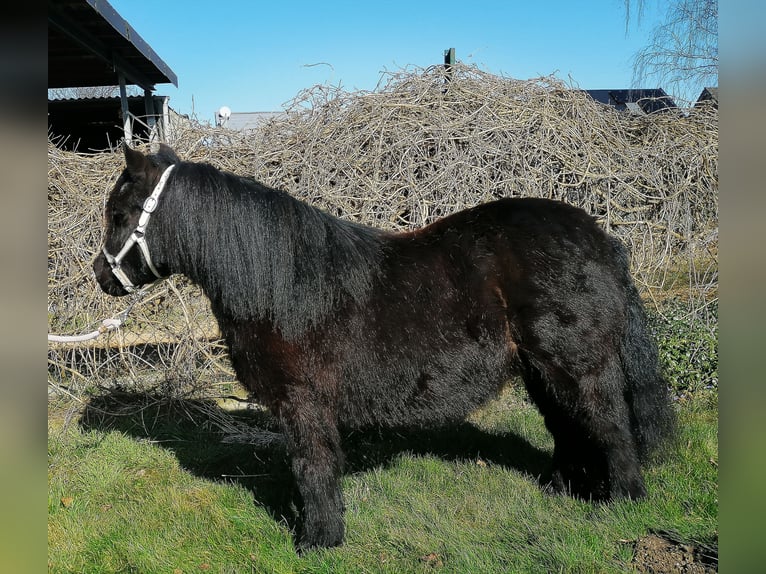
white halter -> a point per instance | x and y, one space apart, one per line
138 236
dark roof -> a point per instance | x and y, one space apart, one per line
709 94
638 100
88 42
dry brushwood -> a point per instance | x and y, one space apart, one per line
422 145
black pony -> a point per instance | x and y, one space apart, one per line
332 323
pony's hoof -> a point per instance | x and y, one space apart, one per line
318 538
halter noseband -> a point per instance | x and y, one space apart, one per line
138 236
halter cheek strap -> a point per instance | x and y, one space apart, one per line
138 237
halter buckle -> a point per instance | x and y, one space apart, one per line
150 204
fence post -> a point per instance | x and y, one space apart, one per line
151 116
127 125
449 61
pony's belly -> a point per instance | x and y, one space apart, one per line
439 387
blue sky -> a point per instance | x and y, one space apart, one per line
257 56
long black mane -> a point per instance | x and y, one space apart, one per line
260 253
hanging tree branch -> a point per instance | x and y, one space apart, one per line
682 54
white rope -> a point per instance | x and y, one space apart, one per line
106 325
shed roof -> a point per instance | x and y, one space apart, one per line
89 43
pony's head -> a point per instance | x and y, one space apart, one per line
126 260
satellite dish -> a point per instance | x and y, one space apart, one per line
222 116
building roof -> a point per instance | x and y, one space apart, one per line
709 94
89 43
641 100
248 121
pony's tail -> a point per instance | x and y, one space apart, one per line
652 416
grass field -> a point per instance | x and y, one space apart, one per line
151 488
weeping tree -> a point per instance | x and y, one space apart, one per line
682 54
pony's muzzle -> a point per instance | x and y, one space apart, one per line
106 278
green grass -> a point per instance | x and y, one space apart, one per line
141 491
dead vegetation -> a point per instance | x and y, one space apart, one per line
420 146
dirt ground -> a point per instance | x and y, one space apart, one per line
663 553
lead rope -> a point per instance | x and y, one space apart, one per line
106 325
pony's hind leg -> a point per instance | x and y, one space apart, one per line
316 460
605 418
594 453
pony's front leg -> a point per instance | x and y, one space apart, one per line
317 462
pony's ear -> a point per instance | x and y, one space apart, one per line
135 161
167 153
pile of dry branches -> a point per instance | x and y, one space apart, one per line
422 145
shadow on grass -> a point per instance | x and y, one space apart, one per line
191 430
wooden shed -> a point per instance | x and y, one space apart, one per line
90 44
